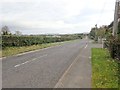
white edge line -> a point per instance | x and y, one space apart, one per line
75 60
34 50
59 81
31 51
90 57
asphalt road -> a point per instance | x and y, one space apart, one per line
40 69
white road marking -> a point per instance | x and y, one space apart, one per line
62 84
60 80
3 57
29 61
89 57
75 60
84 56
34 51
86 46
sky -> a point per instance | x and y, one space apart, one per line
55 16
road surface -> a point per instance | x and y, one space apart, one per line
43 68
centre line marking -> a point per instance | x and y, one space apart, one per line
86 46
29 61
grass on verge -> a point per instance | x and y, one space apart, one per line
104 69
9 51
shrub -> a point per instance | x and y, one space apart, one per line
114 47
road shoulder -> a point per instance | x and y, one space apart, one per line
79 74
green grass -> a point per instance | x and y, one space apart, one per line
0 53
10 51
104 69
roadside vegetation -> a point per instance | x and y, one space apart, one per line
9 51
105 70
106 62
17 43
28 40
104 34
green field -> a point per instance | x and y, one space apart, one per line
105 71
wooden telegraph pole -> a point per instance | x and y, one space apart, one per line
116 17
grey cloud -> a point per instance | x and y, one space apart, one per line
48 10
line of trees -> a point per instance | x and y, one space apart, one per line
5 31
100 33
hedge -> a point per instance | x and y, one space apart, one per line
10 41
114 47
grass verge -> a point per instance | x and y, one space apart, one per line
10 51
105 71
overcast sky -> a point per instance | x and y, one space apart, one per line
55 16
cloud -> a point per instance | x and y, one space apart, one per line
60 16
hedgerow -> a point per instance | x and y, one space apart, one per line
113 44
11 40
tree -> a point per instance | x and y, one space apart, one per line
5 30
92 33
18 33
101 31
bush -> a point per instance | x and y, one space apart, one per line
114 47
105 44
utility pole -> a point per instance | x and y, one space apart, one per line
116 17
